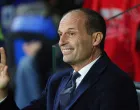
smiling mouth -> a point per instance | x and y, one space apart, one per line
67 51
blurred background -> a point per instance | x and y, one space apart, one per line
28 32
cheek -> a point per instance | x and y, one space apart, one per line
81 45
80 49
86 44
86 48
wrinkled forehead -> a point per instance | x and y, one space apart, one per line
72 20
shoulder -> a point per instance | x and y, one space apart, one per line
59 75
114 77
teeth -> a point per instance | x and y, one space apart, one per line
67 49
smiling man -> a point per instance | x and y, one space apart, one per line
93 83
77 45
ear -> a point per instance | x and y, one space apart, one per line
97 38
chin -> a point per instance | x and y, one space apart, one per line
66 60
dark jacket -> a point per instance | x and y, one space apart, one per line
105 87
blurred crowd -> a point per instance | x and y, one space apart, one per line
28 32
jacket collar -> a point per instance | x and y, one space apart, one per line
89 80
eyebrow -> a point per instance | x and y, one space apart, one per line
67 30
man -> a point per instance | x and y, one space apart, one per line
100 85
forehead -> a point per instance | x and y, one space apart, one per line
72 20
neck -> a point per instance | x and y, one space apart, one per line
78 66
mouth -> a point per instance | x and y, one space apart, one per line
67 51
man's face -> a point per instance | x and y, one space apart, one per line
75 43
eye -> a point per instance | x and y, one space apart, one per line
72 33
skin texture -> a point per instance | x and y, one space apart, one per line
4 77
77 46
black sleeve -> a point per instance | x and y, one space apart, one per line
39 104
8 103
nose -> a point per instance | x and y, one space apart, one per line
63 40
